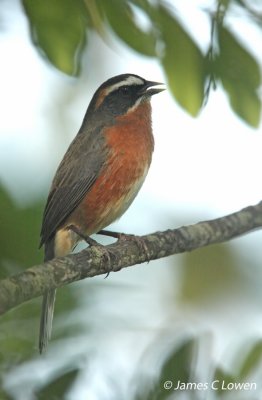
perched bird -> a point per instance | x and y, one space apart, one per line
100 174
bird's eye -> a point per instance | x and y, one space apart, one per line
124 90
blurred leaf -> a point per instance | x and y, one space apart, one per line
59 387
253 360
19 235
177 367
3 395
224 3
18 338
252 12
20 327
58 28
183 63
123 22
240 76
209 274
223 378
95 15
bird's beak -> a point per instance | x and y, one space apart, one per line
149 91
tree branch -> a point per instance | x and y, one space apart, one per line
92 261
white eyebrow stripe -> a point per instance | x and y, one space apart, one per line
129 81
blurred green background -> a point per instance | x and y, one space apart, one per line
190 318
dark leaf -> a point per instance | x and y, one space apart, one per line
3 395
177 368
222 378
19 231
57 389
252 361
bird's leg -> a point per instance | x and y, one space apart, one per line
116 235
92 242
123 236
86 238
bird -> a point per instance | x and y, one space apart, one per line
100 174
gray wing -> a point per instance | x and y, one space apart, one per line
75 176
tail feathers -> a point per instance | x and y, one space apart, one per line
48 305
46 319
50 250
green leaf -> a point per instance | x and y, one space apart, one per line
19 232
252 361
222 378
183 63
58 29
3 395
177 368
60 386
123 22
251 9
240 76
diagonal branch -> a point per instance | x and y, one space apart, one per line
91 261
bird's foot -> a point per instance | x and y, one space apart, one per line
125 237
93 243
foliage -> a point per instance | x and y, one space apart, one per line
178 371
14 229
60 28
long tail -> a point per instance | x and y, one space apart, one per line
47 306
46 320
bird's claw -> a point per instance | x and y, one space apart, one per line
123 236
138 240
93 243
